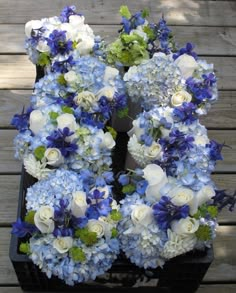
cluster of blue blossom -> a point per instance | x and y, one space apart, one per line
56 42
72 219
64 140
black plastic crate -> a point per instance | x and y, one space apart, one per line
181 274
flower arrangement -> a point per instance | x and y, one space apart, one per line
73 227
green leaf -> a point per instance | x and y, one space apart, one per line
87 237
53 115
145 13
213 211
115 215
112 131
77 254
66 109
29 217
114 233
25 247
128 188
124 11
39 152
150 33
61 79
203 233
44 59
123 113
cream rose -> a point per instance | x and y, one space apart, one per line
180 97
66 120
201 140
153 152
85 99
186 64
42 47
142 215
31 25
185 226
43 219
97 227
76 20
110 73
63 244
85 46
156 179
202 196
79 204
71 77
36 121
106 91
108 141
54 157
136 129
181 196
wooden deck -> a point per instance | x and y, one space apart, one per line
211 25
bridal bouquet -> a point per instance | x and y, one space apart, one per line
73 227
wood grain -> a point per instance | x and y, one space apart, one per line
17 72
208 40
221 115
10 190
107 11
222 269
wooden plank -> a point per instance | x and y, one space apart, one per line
12 102
222 269
221 115
9 165
208 40
10 189
107 11
7 273
17 72
219 288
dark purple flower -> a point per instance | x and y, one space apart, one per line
188 49
165 212
21 229
66 12
120 101
215 150
63 66
58 140
126 25
21 121
92 212
80 222
104 206
223 199
58 43
185 113
63 232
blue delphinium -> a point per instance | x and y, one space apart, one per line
21 121
58 43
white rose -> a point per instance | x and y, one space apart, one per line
181 196
71 77
156 179
110 73
153 152
85 46
30 25
185 226
79 204
106 91
54 157
63 244
76 20
180 97
43 219
187 64
108 141
66 120
201 140
70 34
36 121
86 100
202 196
97 227
42 47
137 130
142 215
